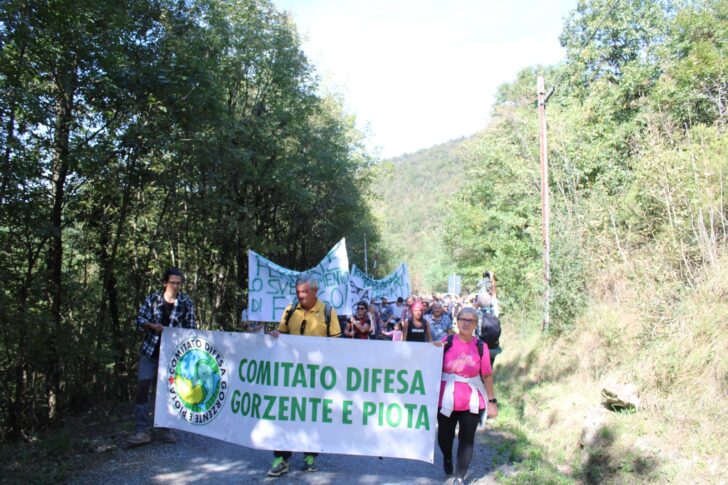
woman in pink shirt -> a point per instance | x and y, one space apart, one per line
467 382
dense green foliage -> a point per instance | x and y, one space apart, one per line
637 159
141 134
413 191
637 152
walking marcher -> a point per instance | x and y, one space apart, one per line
309 317
396 334
416 328
375 330
439 321
359 325
165 308
467 382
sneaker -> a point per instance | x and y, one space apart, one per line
139 438
309 464
167 435
279 467
447 466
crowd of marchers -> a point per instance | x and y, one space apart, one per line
467 327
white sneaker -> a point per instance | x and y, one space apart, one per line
139 438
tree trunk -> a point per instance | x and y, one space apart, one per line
60 169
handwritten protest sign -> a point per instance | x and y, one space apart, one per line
392 286
294 393
272 287
357 294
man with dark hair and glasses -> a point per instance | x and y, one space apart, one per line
168 307
359 325
308 318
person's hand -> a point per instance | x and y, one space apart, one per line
156 327
492 410
437 343
274 333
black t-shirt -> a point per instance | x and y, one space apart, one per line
416 334
166 313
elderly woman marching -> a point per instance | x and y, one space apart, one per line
466 391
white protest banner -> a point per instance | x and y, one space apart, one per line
394 285
317 394
357 294
272 287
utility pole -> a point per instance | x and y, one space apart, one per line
366 260
545 208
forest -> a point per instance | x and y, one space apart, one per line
138 135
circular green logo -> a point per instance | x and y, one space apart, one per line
197 382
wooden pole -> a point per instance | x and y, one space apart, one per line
366 258
545 208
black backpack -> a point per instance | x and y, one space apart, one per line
490 330
448 344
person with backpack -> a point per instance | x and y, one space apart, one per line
307 316
466 392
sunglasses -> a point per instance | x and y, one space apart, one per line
361 308
467 321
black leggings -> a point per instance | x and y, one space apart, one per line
466 437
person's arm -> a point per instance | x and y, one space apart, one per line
404 330
428 334
282 325
489 389
363 328
190 321
145 318
493 290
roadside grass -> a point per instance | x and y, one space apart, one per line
672 345
73 445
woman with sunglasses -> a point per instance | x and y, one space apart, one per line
466 391
359 324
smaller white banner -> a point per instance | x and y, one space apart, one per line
392 286
357 294
293 393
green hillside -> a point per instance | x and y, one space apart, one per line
414 192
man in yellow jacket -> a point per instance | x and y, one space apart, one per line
309 317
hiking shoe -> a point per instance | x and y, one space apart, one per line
167 436
447 466
139 438
279 467
308 464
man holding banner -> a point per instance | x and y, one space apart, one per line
166 308
310 317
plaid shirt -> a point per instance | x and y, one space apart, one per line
182 315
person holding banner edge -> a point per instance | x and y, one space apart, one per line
311 317
467 381
166 308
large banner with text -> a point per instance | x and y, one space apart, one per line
392 286
326 395
272 287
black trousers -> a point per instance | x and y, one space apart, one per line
466 437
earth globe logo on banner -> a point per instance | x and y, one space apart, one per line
198 380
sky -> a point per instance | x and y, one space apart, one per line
416 73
